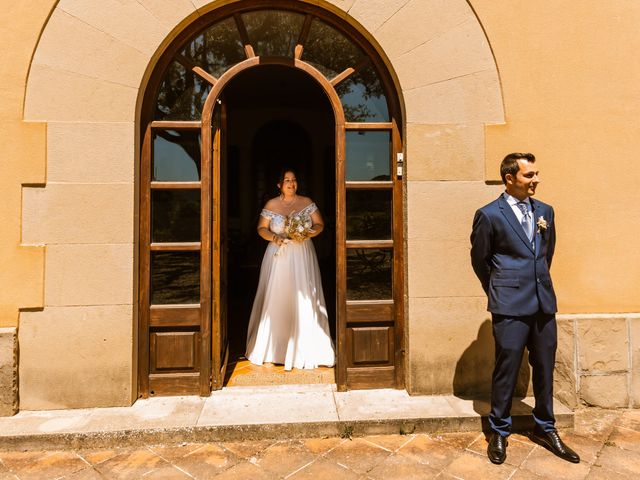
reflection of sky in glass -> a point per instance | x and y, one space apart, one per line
358 108
171 161
368 155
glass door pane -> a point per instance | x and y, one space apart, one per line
176 155
369 214
368 155
369 273
362 96
175 215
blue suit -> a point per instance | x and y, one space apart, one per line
514 274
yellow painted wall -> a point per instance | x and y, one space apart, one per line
22 157
570 80
571 84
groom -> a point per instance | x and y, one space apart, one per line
512 246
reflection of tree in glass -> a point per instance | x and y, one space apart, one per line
187 140
175 278
329 50
363 98
273 32
369 226
368 215
217 48
369 274
182 93
175 215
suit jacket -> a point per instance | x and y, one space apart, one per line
514 274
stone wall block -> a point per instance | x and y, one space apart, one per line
445 152
462 50
473 98
634 329
89 275
169 12
420 22
105 151
76 357
58 95
564 379
78 213
445 210
606 391
70 44
140 26
8 372
603 345
450 347
374 13
446 273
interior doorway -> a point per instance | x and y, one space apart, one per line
276 117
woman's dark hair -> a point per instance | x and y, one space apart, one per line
283 172
509 164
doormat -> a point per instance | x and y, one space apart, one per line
244 373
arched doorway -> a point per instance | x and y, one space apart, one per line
186 166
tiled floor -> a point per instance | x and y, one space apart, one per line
608 442
241 372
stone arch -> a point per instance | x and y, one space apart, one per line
90 63
85 82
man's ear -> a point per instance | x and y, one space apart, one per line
508 178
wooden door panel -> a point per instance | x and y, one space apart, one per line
367 312
174 384
175 316
174 351
371 377
370 345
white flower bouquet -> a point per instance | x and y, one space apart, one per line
297 227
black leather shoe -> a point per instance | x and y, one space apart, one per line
497 449
553 442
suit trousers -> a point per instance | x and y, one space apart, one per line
511 335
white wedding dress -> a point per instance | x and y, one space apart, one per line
289 323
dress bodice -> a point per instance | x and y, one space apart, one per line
277 220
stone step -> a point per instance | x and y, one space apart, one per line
253 413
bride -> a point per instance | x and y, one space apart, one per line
289 323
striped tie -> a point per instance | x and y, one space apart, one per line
526 222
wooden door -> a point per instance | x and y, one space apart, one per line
370 256
219 288
174 294
183 342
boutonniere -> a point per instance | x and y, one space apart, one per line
542 224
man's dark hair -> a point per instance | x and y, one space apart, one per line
510 164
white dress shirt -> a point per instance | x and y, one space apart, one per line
512 201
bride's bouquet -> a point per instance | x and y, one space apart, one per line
297 227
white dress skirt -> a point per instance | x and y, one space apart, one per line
289 323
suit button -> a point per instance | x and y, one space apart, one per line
538 280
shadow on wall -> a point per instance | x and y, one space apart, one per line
472 378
